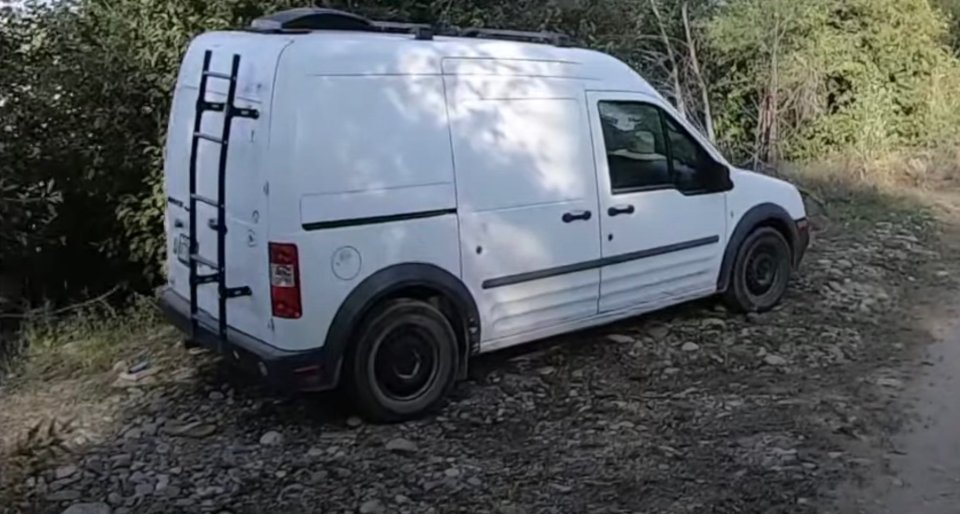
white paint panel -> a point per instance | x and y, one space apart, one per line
522 163
520 67
428 240
521 152
378 202
350 135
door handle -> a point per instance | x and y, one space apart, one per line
617 210
572 216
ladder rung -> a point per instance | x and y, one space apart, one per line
242 112
203 260
208 137
212 106
218 75
207 279
234 292
204 199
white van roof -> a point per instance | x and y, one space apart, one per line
370 53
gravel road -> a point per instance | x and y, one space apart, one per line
691 410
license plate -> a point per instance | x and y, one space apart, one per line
182 249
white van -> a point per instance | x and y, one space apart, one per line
371 204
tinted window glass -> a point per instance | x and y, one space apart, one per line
690 161
636 148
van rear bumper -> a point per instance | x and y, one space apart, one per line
311 370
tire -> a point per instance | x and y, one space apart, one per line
404 362
761 272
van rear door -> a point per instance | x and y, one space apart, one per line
245 180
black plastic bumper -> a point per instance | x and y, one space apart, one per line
311 370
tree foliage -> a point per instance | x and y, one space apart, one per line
85 90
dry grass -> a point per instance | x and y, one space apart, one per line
57 393
924 169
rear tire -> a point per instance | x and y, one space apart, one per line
761 272
404 362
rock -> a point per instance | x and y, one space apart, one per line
752 317
714 324
774 360
217 396
620 339
890 382
690 347
122 460
88 508
142 489
547 370
659 332
474 481
508 508
314 453
401 445
56 485
835 455
163 481
271 438
207 492
354 422
671 371
195 429
372 507
115 499
66 495
139 378
452 473
65 471
133 433
171 491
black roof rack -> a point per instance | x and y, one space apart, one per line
305 19
550 38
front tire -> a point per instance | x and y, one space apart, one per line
761 272
404 362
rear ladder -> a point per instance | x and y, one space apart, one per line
219 276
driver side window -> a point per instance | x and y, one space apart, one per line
647 150
636 146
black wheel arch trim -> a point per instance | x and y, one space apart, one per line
758 215
388 281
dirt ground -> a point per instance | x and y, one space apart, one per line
695 409
918 469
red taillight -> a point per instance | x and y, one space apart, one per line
285 281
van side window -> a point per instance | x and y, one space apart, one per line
636 146
690 160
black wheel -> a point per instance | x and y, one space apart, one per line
761 272
404 362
